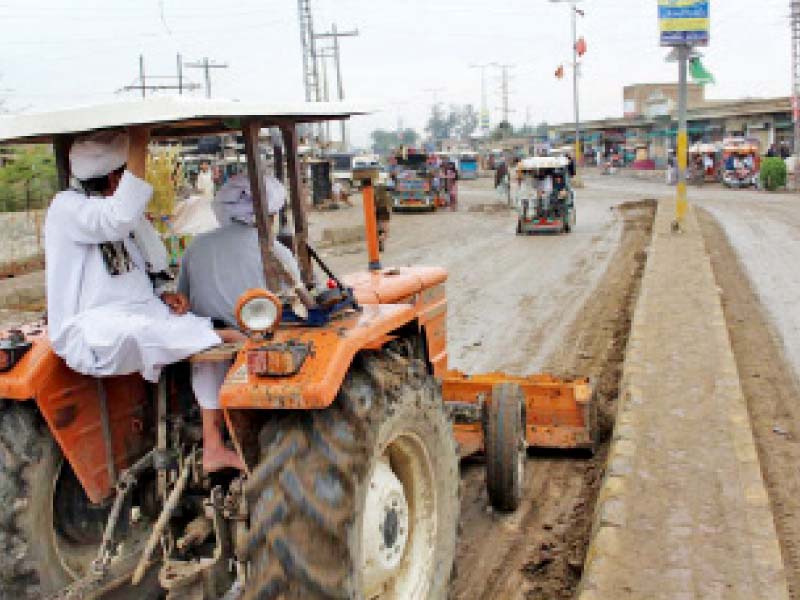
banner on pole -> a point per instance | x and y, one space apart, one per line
684 22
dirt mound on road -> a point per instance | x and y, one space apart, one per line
538 552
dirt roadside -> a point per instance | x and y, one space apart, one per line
770 389
538 552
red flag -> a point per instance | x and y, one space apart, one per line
560 72
580 46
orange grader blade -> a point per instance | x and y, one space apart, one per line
559 413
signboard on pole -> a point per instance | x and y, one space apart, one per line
684 22
485 123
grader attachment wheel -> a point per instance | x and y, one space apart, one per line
504 439
359 500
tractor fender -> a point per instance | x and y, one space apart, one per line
421 287
70 405
332 350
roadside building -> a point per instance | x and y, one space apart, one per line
647 132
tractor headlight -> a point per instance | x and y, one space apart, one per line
258 311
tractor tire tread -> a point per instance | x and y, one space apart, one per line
302 493
503 431
22 440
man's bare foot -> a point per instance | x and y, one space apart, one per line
218 459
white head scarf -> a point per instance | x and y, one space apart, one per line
234 202
98 154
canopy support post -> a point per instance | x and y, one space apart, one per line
61 146
298 204
255 170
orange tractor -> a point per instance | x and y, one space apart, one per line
340 403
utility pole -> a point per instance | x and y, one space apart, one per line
334 35
505 92
796 88
207 65
485 120
141 74
575 95
573 5
326 96
435 93
141 84
180 75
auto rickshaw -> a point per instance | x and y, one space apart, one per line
545 199
702 170
742 163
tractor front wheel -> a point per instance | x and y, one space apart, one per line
506 446
359 500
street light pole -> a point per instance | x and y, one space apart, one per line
573 5
575 83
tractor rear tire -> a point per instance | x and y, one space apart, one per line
506 446
359 500
34 556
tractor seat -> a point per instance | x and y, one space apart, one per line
217 353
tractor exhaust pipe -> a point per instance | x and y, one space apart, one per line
371 224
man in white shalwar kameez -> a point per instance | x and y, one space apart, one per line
106 316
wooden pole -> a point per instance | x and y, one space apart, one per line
255 169
298 203
61 146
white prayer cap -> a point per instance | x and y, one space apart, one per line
98 154
234 202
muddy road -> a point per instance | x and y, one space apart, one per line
560 304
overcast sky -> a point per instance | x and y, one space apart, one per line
59 52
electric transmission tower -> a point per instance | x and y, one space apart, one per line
505 93
308 42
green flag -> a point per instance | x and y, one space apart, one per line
699 72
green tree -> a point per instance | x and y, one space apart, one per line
503 130
409 137
455 121
385 142
29 180
773 173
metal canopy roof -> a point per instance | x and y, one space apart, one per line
169 116
543 162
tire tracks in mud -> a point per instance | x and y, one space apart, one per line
538 554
